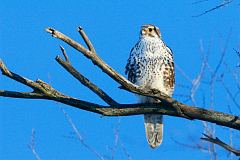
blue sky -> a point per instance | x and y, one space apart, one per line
113 27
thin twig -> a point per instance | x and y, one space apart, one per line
199 1
214 8
116 139
183 73
229 93
192 145
79 136
86 39
210 130
220 143
64 54
234 75
223 53
31 145
129 157
230 139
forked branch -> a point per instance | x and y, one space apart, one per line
220 143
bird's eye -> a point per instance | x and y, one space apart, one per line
150 29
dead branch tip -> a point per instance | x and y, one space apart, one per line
80 28
51 31
64 53
3 68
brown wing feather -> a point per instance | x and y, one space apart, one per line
169 78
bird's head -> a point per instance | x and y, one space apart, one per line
150 31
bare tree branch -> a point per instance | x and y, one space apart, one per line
131 109
127 85
220 143
167 106
67 65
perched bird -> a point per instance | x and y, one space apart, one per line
151 66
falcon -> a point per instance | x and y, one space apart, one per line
151 66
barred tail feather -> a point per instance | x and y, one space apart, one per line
154 129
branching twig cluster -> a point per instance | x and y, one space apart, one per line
79 136
214 75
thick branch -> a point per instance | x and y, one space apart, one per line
126 109
29 95
221 143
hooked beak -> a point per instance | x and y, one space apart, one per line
143 31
